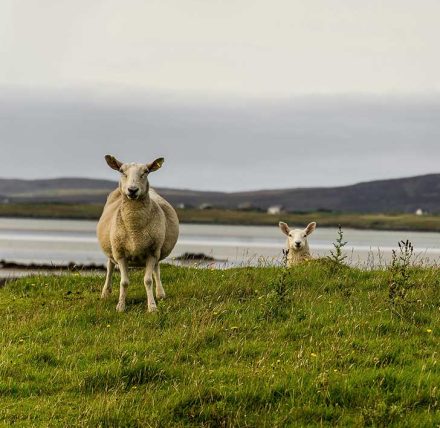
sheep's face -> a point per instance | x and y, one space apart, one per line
133 182
297 238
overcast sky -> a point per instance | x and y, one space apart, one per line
236 94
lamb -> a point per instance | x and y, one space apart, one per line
137 227
297 245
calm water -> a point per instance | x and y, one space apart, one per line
62 241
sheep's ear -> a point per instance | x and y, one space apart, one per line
155 165
310 228
284 227
113 162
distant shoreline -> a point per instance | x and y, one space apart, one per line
397 222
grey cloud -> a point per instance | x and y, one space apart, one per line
300 142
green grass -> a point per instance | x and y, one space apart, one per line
43 210
220 216
324 219
226 348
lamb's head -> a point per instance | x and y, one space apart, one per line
133 182
297 238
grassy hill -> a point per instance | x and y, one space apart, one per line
241 347
403 195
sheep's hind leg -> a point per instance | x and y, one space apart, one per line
107 289
160 292
148 282
122 263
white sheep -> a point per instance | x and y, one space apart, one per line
297 245
137 227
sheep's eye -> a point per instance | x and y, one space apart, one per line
123 174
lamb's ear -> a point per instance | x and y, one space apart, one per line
310 228
284 227
155 165
113 162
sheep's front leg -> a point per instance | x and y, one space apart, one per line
148 281
107 289
160 292
122 263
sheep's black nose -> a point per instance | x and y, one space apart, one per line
297 243
132 190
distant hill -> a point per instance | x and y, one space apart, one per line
384 196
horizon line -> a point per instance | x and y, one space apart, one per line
231 192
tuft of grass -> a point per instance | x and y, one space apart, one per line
400 271
238 347
337 257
